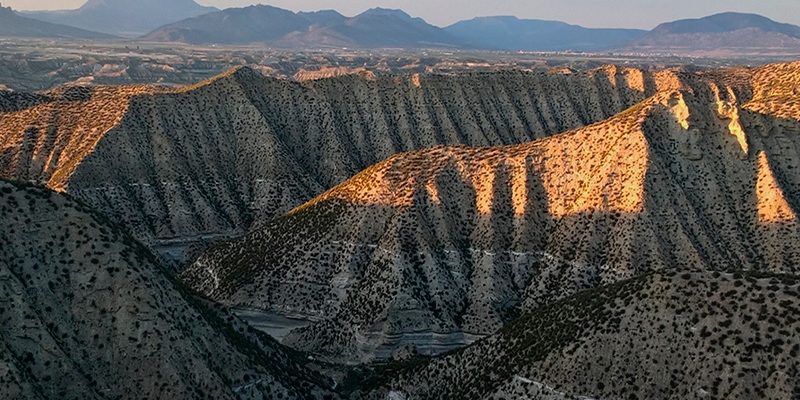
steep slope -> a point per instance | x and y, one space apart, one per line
124 17
670 336
728 32
14 25
374 28
160 160
87 313
438 247
511 33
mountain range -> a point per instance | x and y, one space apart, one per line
123 17
639 241
512 33
12 24
187 22
438 247
432 247
732 32
556 234
373 28
721 33
71 139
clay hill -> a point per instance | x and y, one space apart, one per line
123 17
721 34
160 160
511 33
14 25
694 335
439 247
282 28
88 313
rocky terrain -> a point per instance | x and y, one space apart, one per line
694 335
88 313
160 160
437 247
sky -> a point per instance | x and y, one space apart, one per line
644 14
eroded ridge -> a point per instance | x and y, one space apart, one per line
455 241
210 159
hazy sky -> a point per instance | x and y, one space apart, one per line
592 13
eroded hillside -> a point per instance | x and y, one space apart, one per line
212 158
439 247
87 313
695 335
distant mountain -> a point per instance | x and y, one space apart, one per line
728 31
13 24
511 33
377 27
235 25
124 17
275 26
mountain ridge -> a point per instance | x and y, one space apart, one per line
281 163
119 17
12 24
377 27
457 240
512 33
725 33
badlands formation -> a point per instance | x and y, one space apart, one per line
87 312
177 165
614 233
436 248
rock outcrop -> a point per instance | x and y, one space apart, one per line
696 335
454 242
208 160
88 313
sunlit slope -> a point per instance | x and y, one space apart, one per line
455 241
213 158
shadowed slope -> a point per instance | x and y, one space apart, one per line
690 336
453 242
87 313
